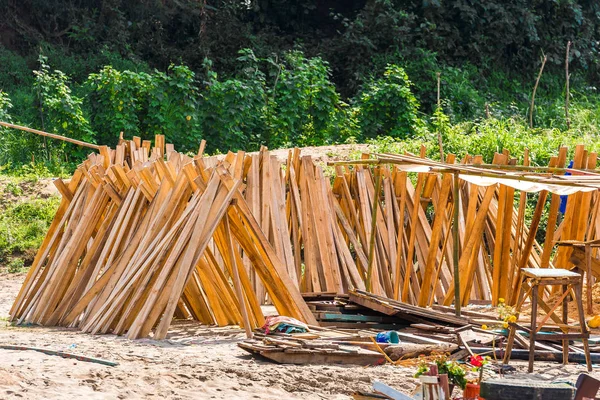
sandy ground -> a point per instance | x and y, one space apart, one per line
195 362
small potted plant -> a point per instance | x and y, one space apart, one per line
456 373
471 391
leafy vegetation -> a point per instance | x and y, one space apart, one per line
387 106
24 221
16 265
281 73
278 102
286 73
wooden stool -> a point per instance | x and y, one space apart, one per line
531 280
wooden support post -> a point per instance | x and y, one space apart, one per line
456 243
532 335
588 278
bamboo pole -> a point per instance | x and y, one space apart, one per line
568 120
51 135
439 133
541 169
537 82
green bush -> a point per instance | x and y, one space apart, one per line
387 106
60 111
116 100
16 265
172 107
305 102
233 114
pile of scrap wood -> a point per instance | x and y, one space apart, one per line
428 331
363 310
144 234
338 311
320 346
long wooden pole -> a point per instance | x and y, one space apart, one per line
439 133
455 239
537 82
568 120
386 158
237 284
543 170
51 135
373 227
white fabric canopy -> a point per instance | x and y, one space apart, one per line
526 186
562 187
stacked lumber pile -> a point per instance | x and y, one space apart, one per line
138 240
410 231
412 251
145 234
339 312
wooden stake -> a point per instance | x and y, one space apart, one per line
537 81
568 120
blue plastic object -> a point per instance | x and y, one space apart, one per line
563 199
387 337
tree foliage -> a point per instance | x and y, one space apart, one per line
285 72
350 35
388 107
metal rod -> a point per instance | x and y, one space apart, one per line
455 238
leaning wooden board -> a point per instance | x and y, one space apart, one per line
404 310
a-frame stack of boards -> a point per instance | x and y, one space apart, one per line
138 240
145 234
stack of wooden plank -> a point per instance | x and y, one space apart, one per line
144 234
339 312
138 240
411 237
291 350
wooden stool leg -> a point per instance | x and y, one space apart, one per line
512 329
565 319
534 304
588 278
582 324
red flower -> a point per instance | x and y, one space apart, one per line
476 361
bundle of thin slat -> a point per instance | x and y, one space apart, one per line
411 238
130 247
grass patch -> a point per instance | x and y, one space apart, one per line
24 222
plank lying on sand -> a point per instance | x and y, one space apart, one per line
343 355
